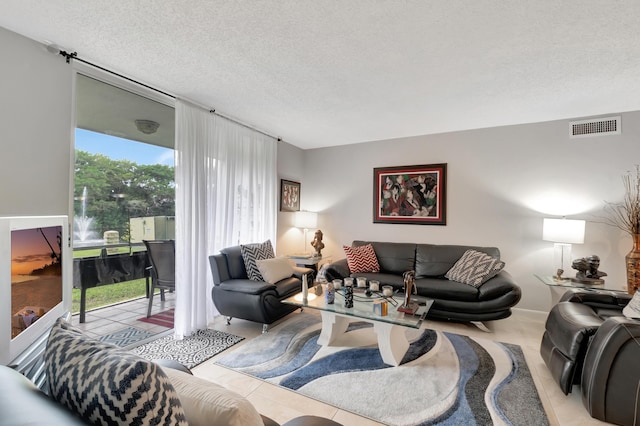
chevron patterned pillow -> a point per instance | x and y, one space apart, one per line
105 384
251 253
474 268
361 259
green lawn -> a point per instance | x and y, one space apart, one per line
109 294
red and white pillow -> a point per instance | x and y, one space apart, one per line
361 259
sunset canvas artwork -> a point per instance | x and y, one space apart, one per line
36 274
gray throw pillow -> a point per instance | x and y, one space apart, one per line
251 253
105 384
474 268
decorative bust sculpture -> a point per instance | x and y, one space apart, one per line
587 268
317 243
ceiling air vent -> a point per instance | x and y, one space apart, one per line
594 127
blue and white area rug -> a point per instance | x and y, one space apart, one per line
444 379
190 351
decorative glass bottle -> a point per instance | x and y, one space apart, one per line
305 289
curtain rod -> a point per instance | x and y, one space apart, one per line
74 55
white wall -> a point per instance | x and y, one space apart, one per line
501 183
36 129
290 167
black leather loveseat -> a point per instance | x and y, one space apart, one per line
236 296
588 341
452 300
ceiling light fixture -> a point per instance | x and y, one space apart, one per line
147 127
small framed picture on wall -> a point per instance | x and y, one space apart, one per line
289 196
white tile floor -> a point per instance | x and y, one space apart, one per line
524 328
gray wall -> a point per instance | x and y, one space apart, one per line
36 136
501 183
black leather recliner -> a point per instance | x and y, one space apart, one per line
588 341
236 296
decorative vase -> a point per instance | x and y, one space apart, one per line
633 266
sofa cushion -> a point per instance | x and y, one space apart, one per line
274 270
206 403
474 268
253 252
395 258
105 384
361 259
436 260
441 289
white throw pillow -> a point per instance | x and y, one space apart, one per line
632 310
274 270
206 403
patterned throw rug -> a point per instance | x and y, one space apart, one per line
164 318
125 337
192 350
444 379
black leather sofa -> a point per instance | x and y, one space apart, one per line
453 300
236 296
588 341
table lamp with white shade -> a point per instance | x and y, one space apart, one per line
563 232
306 220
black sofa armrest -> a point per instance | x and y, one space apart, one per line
299 271
337 270
597 298
610 377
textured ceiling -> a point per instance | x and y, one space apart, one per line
330 72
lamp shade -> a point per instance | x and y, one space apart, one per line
306 220
563 231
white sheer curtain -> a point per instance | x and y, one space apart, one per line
226 194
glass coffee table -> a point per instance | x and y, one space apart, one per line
390 328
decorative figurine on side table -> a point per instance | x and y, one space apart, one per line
408 306
317 243
588 273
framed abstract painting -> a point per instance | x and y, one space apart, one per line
410 194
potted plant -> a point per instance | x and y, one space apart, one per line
625 215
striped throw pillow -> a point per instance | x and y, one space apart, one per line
105 384
361 259
474 268
251 253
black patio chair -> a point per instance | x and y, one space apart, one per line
162 256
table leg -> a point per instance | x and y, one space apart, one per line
83 304
333 326
392 342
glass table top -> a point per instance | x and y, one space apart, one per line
363 306
554 282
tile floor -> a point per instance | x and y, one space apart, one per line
103 321
524 328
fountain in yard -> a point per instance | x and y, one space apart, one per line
83 234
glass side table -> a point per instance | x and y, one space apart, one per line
559 287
